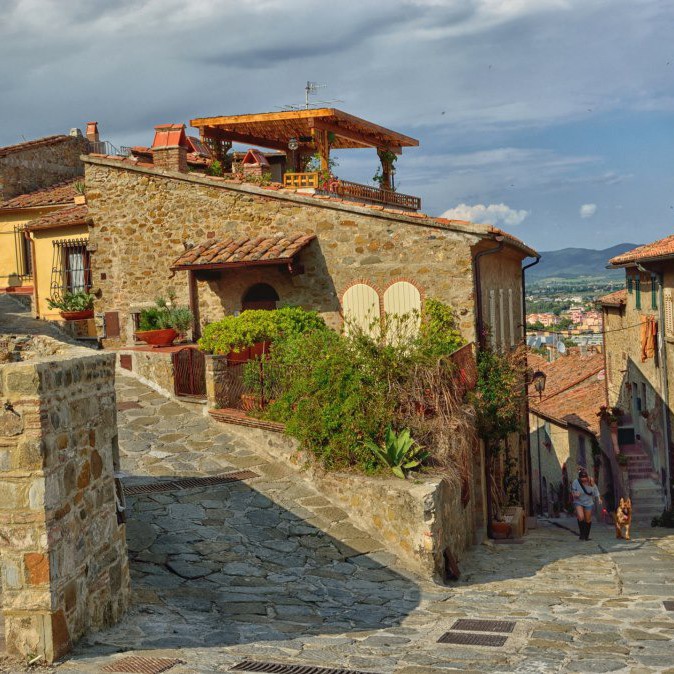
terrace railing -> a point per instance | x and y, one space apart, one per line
352 191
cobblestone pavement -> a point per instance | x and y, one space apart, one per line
267 569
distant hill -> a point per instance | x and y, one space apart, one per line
575 262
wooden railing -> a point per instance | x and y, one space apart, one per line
299 180
350 190
353 191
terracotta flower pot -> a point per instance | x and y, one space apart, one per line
501 530
158 337
77 315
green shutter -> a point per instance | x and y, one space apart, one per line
637 290
629 285
654 297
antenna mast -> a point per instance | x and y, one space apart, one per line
311 88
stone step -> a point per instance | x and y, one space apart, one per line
645 484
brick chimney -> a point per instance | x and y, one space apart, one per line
169 148
92 132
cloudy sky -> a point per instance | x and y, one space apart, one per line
551 118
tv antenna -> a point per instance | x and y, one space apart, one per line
311 89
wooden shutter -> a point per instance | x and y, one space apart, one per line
669 313
492 318
511 317
403 299
360 306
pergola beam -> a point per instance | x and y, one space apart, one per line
219 134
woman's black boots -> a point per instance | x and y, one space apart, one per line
588 526
582 527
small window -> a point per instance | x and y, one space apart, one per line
71 267
637 293
630 284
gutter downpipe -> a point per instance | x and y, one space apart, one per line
664 384
526 402
481 342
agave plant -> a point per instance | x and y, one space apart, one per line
400 452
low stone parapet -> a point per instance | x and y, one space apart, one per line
63 558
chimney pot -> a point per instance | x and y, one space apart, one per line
92 132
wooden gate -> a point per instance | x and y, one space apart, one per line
189 373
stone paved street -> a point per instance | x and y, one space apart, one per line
267 569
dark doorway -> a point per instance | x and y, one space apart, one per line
260 296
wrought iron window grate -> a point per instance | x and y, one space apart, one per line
71 267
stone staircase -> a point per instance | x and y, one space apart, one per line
645 489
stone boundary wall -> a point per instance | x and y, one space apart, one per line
417 519
37 166
152 368
63 559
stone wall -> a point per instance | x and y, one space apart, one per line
418 519
38 165
144 220
152 367
63 558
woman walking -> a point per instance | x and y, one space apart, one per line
584 491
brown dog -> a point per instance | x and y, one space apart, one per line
623 518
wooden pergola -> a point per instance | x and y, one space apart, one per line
306 132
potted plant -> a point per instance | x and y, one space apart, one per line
501 530
162 324
80 193
73 306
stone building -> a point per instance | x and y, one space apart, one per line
638 335
565 430
36 178
224 246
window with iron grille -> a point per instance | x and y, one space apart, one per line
24 266
71 268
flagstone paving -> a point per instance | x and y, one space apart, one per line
267 569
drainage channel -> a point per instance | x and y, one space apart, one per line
469 632
278 668
188 483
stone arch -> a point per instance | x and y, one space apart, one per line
259 296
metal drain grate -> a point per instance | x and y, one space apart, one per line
136 665
472 639
483 625
188 483
277 668
669 605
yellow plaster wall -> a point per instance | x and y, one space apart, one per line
44 249
8 266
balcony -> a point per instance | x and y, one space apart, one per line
353 191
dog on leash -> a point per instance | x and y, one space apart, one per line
623 518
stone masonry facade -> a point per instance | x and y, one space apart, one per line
63 557
145 218
36 164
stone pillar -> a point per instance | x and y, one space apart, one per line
63 557
216 375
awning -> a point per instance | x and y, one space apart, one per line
232 253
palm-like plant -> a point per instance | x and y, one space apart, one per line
401 453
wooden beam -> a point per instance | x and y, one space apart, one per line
283 116
220 134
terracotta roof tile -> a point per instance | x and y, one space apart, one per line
66 217
244 250
574 389
61 193
614 299
31 144
660 248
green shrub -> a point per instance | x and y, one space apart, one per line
338 394
234 333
